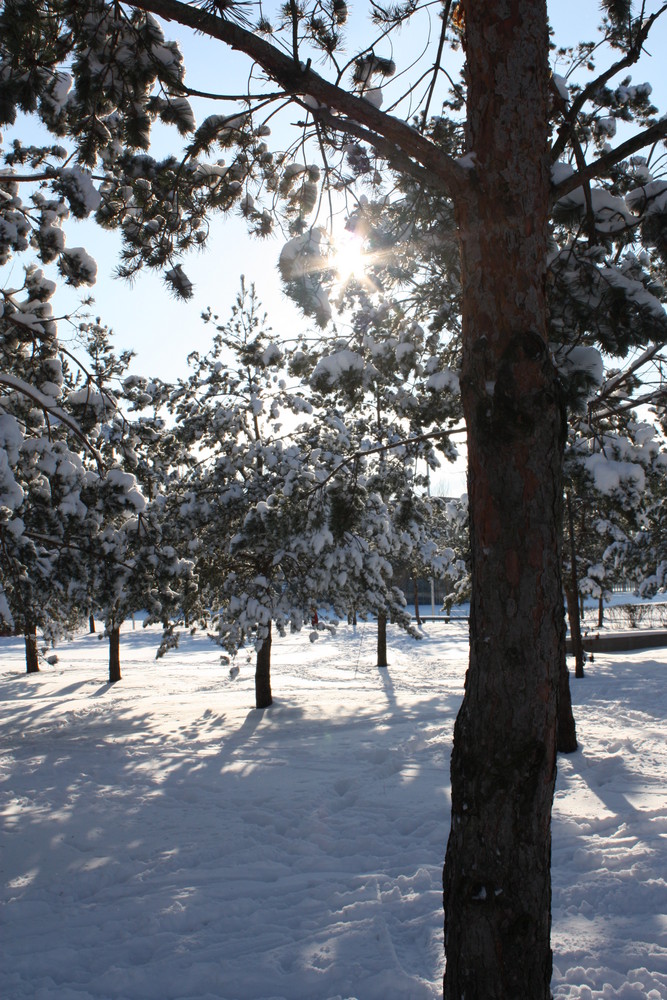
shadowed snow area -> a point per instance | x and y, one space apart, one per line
162 840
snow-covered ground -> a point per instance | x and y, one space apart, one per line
162 840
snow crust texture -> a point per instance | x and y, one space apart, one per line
163 840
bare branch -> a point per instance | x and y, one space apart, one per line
438 57
295 30
394 156
212 96
46 175
581 163
654 396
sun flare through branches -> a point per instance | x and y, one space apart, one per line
349 259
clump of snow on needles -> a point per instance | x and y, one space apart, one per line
579 358
609 474
336 366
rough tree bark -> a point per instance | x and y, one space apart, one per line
114 654
263 696
497 888
31 652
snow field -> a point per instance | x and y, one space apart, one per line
610 836
162 840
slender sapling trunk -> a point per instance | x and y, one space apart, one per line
31 652
382 639
114 654
415 584
263 697
572 597
567 730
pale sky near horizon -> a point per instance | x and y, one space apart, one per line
163 331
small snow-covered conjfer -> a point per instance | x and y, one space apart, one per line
99 73
274 523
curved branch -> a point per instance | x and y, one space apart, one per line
383 448
47 404
394 155
212 96
581 162
298 80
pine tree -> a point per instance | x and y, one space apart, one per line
124 562
612 481
41 471
387 379
530 143
282 520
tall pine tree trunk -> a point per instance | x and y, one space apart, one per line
263 697
31 652
496 880
114 654
91 623
382 639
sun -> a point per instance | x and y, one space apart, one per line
349 259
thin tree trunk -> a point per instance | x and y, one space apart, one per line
382 639
575 630
600 611
114 655
567 730
572 597
263 697
91 624
497 886
31 652
415 584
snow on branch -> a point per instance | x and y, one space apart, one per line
381 448
46 403
601 165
